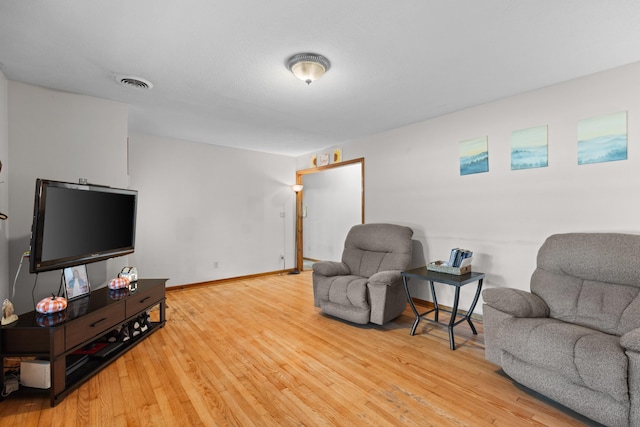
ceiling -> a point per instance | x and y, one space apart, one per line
218 67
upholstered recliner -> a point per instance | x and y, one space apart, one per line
366 286
576 336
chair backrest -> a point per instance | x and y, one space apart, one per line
591 279
370 248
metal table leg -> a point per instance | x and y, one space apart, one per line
473 306
457 282
413 306
435 301
452 320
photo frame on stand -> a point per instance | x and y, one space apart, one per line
76 282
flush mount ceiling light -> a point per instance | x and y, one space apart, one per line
134 82
308 67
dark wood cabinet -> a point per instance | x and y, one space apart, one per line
85 321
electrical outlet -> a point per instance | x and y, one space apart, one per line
281 214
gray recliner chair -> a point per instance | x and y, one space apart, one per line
366 286
576 336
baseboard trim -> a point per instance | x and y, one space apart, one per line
429 305
226 280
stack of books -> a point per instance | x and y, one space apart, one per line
457 256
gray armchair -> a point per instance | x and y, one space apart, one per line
576 336
366 286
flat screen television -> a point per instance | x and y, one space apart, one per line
77 224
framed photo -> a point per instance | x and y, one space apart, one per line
76 282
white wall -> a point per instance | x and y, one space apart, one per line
412 178
5 291
60 136
207 212
200 205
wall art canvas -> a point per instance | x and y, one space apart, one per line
529 148
474 156
602 138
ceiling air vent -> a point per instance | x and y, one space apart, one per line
134 82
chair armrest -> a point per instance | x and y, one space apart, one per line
330 268
515 302
631 340
386 278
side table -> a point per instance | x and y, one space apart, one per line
450 279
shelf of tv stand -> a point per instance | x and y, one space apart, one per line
95 364
87 320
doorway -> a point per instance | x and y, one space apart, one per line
330 203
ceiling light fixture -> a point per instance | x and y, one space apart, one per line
134 82
308 67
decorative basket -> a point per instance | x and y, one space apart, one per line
442 267
51 305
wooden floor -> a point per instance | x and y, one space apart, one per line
256 352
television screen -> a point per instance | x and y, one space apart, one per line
77 224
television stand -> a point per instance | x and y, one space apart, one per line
88 319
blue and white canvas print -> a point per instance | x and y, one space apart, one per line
529 148
474 156
602 138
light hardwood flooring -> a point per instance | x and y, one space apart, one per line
257 353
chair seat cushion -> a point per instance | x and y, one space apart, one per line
349 291
581 355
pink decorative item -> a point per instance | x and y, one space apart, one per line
119 283
51 304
